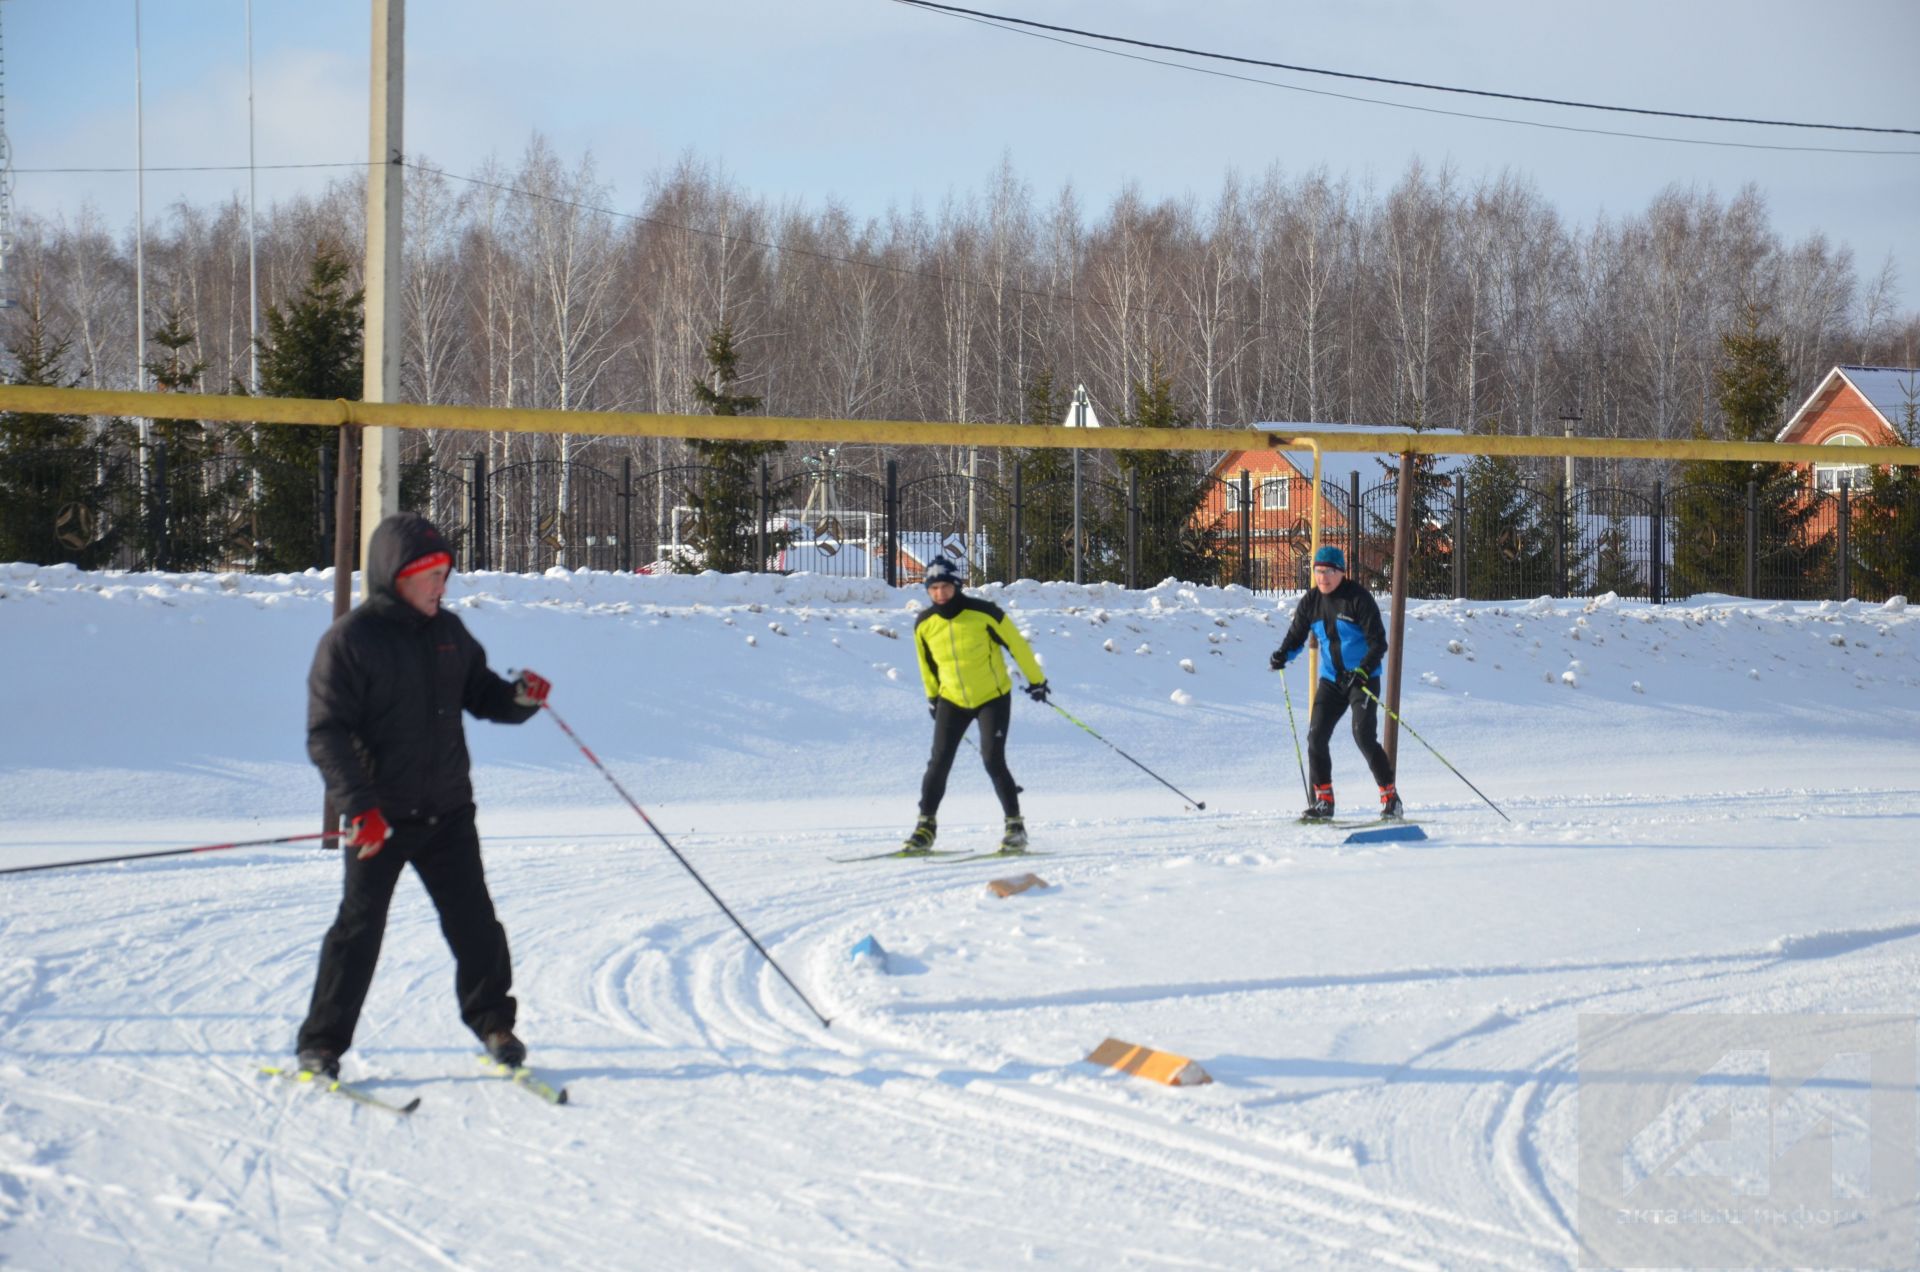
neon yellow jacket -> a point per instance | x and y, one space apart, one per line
958 660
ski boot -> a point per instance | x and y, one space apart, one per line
920 842
1390 809
503 1048
1322 807
1015 838
320 1062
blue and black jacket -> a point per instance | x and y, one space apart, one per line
1346 621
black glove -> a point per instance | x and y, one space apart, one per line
1354 685
1278 660
933 708
1038 692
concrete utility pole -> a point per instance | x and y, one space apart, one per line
253 257
380 452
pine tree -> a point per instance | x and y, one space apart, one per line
1886 522
312 349
1046 492
1173 541
1751 388
725 492
201 486
55 475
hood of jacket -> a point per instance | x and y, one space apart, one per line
398 541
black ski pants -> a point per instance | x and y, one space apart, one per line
949 726
1329 704
445 853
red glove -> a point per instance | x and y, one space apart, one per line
370 833
531 689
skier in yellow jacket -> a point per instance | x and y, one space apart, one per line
966 678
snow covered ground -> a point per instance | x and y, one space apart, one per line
1714 807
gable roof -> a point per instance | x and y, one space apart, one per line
1336 464
1887 390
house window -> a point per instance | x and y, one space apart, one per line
1274 495
1233 496
1828 476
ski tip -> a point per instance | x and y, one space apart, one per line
410 1105
562 1097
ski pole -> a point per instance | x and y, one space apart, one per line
174 852
686 865
1294 729
1436 754
1197 803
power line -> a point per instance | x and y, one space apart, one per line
204 167
1423 110
956 11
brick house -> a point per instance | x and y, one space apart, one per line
1854 406
1280 485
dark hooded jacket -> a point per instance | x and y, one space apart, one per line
387 687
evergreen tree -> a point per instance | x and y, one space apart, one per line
1175 540
201 487
1046 491
54 475
1708 507
725 492
312 349
1886 523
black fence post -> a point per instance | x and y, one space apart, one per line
1246 530
483 513
1560 536
893 523
327 479
162 557
1753 541
1459 536
469 538
1133 528
625 555
1013 528
1353 523
760 530
1657 566
1844 574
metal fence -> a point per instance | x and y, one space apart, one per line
181 510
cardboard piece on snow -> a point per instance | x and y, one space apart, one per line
1145 1062
1007 887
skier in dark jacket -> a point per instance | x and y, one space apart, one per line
384 698
1344 621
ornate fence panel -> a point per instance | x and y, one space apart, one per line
1509 549
1795 547
544 513
1369 536
833 523
1884 537
1706 537
1609 544
442 496
227 512
79 506
1046 522
934 517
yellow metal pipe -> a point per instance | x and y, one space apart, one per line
481 419
1313 654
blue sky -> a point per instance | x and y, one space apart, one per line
873 103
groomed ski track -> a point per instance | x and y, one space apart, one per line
1390 1026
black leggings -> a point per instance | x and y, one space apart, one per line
949 726
1329 704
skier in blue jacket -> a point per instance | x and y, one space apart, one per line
1344 622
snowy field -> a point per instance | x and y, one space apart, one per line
1715 809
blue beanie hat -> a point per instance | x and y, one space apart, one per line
941 570
1330 555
